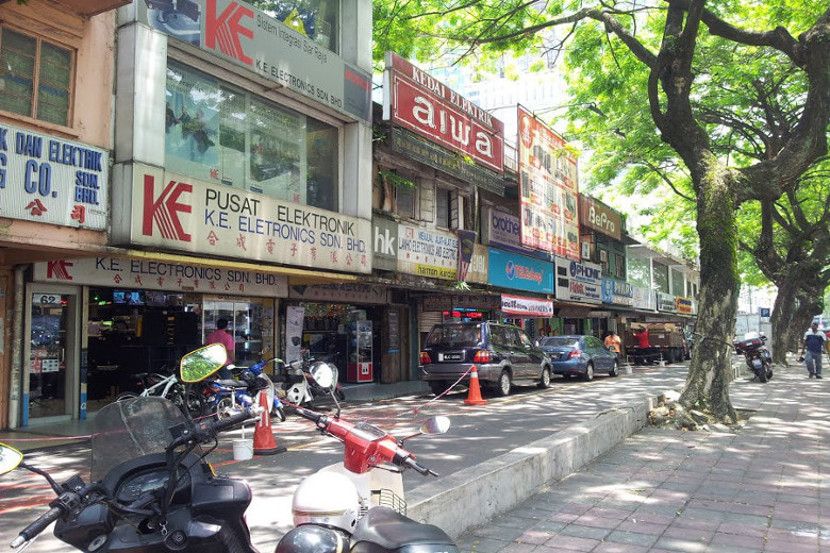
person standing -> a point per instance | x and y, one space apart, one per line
613 343
221 336
814 342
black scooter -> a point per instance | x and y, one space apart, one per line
758 357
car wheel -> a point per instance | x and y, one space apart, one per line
437 387
504 384
544 382
589 372
615 370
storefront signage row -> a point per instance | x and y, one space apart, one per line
172 212
665 303
445 302
51 180
238 32
526 307
415 100
600 217
144 274
450 162
617 292
341 293
580 282
427 252
520 272
503 229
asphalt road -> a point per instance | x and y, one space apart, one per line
477 434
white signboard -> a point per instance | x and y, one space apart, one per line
580 282
427 252
526 307
174 212
160 275
644 298
51 180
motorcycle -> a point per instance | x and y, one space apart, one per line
299 384
344 507
758 357
223 396
153 491
191 402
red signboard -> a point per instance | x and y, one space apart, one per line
415 100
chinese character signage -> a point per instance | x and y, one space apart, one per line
148 274
51 180
179 213
426 106
520 272
238 32
580 282
427 252
548 189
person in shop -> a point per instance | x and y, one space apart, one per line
221 336
613 343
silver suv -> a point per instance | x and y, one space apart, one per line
503 355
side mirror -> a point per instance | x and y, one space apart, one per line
203 362
323 375
10 458
435 425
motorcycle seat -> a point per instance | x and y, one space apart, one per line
385 530
231 383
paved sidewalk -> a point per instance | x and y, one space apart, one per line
764 488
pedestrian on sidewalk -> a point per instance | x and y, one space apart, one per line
613 343
811 349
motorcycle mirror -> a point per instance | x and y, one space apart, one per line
435 425
10 458
203 362
323 374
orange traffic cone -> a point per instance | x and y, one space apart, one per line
474 395
264 442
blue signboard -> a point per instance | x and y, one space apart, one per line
519 272
617 291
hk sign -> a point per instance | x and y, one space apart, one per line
415 100
186 214
52 180
300 61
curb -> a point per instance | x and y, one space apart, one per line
475 495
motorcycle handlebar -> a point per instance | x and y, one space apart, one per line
413 464
38 526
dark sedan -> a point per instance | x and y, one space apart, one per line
579 355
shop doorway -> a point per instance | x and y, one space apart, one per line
51 379
247 322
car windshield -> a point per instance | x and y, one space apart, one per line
132 428
559 342
454 336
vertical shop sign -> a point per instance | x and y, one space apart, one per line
415 100
479 265
385 244
294 316
548 189
394 332
466 245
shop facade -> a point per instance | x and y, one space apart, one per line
122 316
55 144
578 295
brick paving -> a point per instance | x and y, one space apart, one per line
765 487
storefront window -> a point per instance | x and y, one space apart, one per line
677 283
638 272
661 277
217 133
316 19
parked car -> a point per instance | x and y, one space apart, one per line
579 355
503 355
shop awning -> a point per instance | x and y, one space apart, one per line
295 275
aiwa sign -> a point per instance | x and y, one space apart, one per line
519 272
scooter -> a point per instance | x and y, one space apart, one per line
153 491
223 396
758 357
301 388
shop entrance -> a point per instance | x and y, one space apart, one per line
51 374
246 321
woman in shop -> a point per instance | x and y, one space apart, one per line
222 336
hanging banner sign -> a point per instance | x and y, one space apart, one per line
479 265
300 60
173 212
426 106
548 189
526 307
51 180
427 252
581 282
466 244
341 293
144 274
617 292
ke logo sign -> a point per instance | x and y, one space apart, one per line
225 28
162 211
59 270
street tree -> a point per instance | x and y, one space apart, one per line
667 38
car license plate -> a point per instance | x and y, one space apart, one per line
557 356
451 357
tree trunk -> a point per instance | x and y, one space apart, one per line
783 312
710 371
810 303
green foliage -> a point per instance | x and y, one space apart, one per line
395 179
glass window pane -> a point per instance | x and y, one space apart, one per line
17 68
53 84
316 19
322 155
278 153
